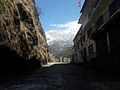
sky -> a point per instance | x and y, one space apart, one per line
59 14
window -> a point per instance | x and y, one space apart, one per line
82 39
89 32
90 48
84 51
99 22
83 54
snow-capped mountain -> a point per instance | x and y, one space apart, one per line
59 40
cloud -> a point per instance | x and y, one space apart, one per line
73 25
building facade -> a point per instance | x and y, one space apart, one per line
99 33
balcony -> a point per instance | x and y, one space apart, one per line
107 18
114 6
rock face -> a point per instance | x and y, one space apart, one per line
21 31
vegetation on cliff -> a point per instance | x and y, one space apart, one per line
21 31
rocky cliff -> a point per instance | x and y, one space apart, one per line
21 31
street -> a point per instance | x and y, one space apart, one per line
63 77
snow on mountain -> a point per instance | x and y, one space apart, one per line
58 40
62 38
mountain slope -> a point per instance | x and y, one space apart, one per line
66 53
59 40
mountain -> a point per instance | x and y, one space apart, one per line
60 40
66 53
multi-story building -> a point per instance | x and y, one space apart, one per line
99 33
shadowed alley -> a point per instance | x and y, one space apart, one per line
63 77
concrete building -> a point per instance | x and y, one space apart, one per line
99 33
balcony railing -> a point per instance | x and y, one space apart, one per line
114 6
